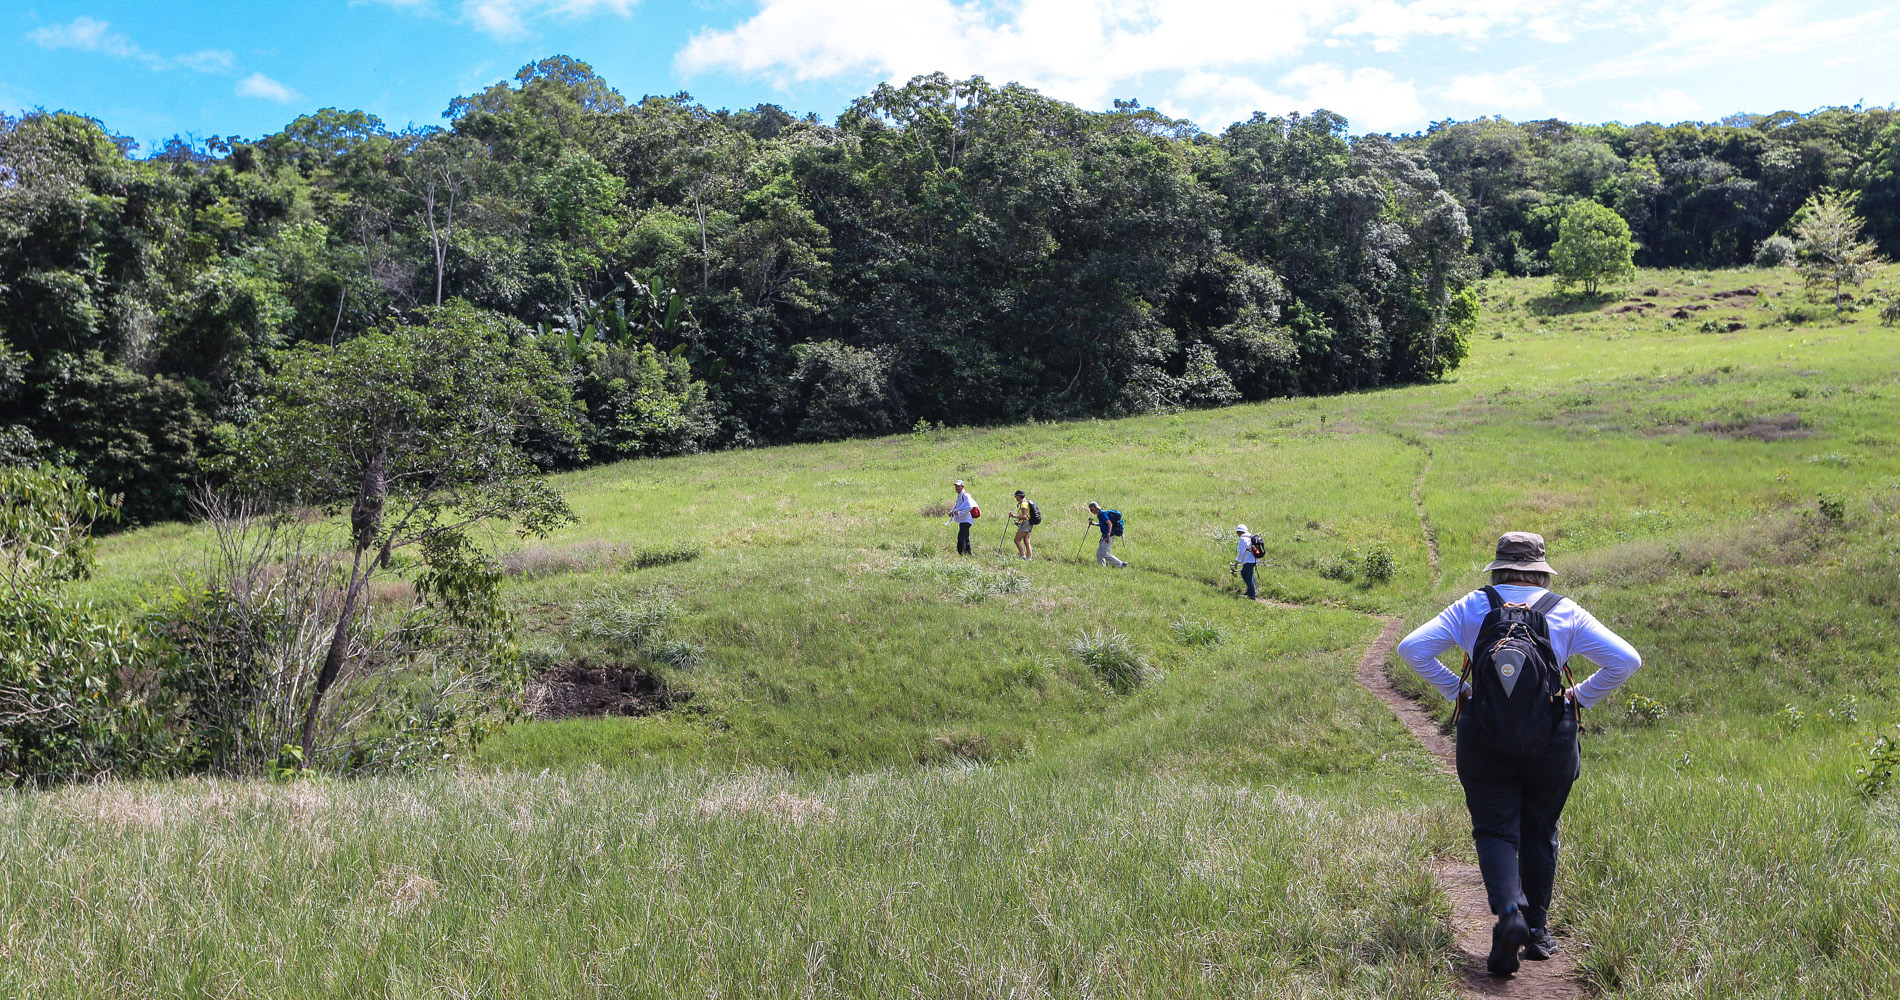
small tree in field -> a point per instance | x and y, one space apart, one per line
1593 246
415 432
1828 247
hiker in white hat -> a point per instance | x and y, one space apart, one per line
1247 555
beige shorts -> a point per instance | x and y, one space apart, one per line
1023 528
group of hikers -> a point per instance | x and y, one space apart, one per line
1516 709
1025 516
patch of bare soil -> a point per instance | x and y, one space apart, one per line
1738 293
1463 884
1779 427
577 690
1682 312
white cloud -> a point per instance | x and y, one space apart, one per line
207 61
1666 107
1708 33
88 34
1086 51
1390 24
1491 93
259 85
85 34
511 18
1371 99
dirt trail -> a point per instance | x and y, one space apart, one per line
1471 917
1418 505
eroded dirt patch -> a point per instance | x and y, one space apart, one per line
578 690
1778 427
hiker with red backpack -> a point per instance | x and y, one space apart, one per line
1516 720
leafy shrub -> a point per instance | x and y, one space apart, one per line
1193 633
1377 565
1339 568
1112 658
1644 711
664 555
630 625
422 676
1792 717
1880 759
1890 310
1775 251
63 710
1833 507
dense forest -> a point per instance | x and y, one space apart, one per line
949 252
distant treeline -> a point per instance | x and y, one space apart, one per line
1694 195
947 251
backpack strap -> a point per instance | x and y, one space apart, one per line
1547 603
1496 599
1458 703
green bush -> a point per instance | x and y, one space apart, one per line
1833 507
1377 565
1880 759
1644 711
1775 251
1112 658
65 713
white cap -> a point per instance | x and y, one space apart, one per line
1240 529
957 483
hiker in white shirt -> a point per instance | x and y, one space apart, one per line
1516 796
960 513
1243 554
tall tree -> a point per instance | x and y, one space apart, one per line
415 432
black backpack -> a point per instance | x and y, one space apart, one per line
1035 513
1516 703
1256 547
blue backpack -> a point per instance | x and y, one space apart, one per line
1114 518
1516 704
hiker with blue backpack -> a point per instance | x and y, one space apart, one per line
1516 718
1110 521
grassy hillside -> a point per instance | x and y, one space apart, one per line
888 774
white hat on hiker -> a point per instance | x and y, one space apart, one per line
1240 529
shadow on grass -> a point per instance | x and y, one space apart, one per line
1555 304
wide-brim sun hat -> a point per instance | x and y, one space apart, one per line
1240 529
1521 550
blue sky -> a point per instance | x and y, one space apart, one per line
155 68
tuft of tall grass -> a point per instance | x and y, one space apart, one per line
1189 632
1112 658
629 624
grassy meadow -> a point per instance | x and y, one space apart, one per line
888 773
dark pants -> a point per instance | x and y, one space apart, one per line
1515 800
1246 573
963 538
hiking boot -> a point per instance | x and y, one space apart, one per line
1541 945
1506 938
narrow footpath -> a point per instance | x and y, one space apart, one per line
1471 917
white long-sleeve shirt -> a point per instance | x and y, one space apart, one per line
1573 632
960 511
1241 555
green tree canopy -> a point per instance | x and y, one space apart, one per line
1593 246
